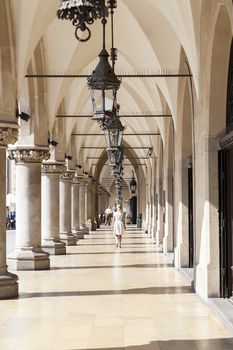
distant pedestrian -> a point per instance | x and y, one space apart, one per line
118 225
108 216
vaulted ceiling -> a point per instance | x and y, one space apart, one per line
149 36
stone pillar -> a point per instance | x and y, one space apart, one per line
65 208
94 206
83 208
207 280
28 254
168 227
75 223
8 281
181 213
159 226
51 243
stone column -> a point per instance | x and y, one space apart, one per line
75 224
159 231
87 205
51 243
8 281
181 213
28 254
206 216
168 227
65 208
83 208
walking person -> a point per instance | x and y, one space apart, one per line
108 218
118 225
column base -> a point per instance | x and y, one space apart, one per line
26 260
157 238
68 239
165 245
89 224
54 247
84 229
78 233
8 285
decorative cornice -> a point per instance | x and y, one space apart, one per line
8 135
26 155
67 175
52 168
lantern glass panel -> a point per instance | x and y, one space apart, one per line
113 137
102 102
111 157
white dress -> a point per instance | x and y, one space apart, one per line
118 223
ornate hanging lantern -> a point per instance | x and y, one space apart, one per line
82 13
113 130
133 185
103 85
115 156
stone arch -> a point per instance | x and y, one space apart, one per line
219 72
7 66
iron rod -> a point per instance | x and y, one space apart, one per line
120 116
136 134
104 147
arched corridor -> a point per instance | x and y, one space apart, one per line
114 113
102 297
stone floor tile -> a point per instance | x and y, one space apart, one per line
101 297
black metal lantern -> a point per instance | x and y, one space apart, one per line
103 85
113 130
115 156
133 185
117 170
82 13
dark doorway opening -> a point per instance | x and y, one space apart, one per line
226 221
190 214
226 193
133 207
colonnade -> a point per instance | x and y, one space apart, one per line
54 209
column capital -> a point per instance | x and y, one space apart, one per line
26 154
77 180
67 175
8 134
52 168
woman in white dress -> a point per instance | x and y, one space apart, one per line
118 225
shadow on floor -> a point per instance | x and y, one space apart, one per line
150 290
111 244
112 266
109 238
117 251
205 344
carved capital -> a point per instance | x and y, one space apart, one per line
8 135
52 168
67 175
24 155
77 179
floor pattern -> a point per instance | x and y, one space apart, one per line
102 297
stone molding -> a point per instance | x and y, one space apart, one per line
26 155
52 168
77 180
8 135
67 175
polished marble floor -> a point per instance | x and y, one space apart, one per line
102 297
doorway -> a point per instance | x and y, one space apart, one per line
190 216
226 221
